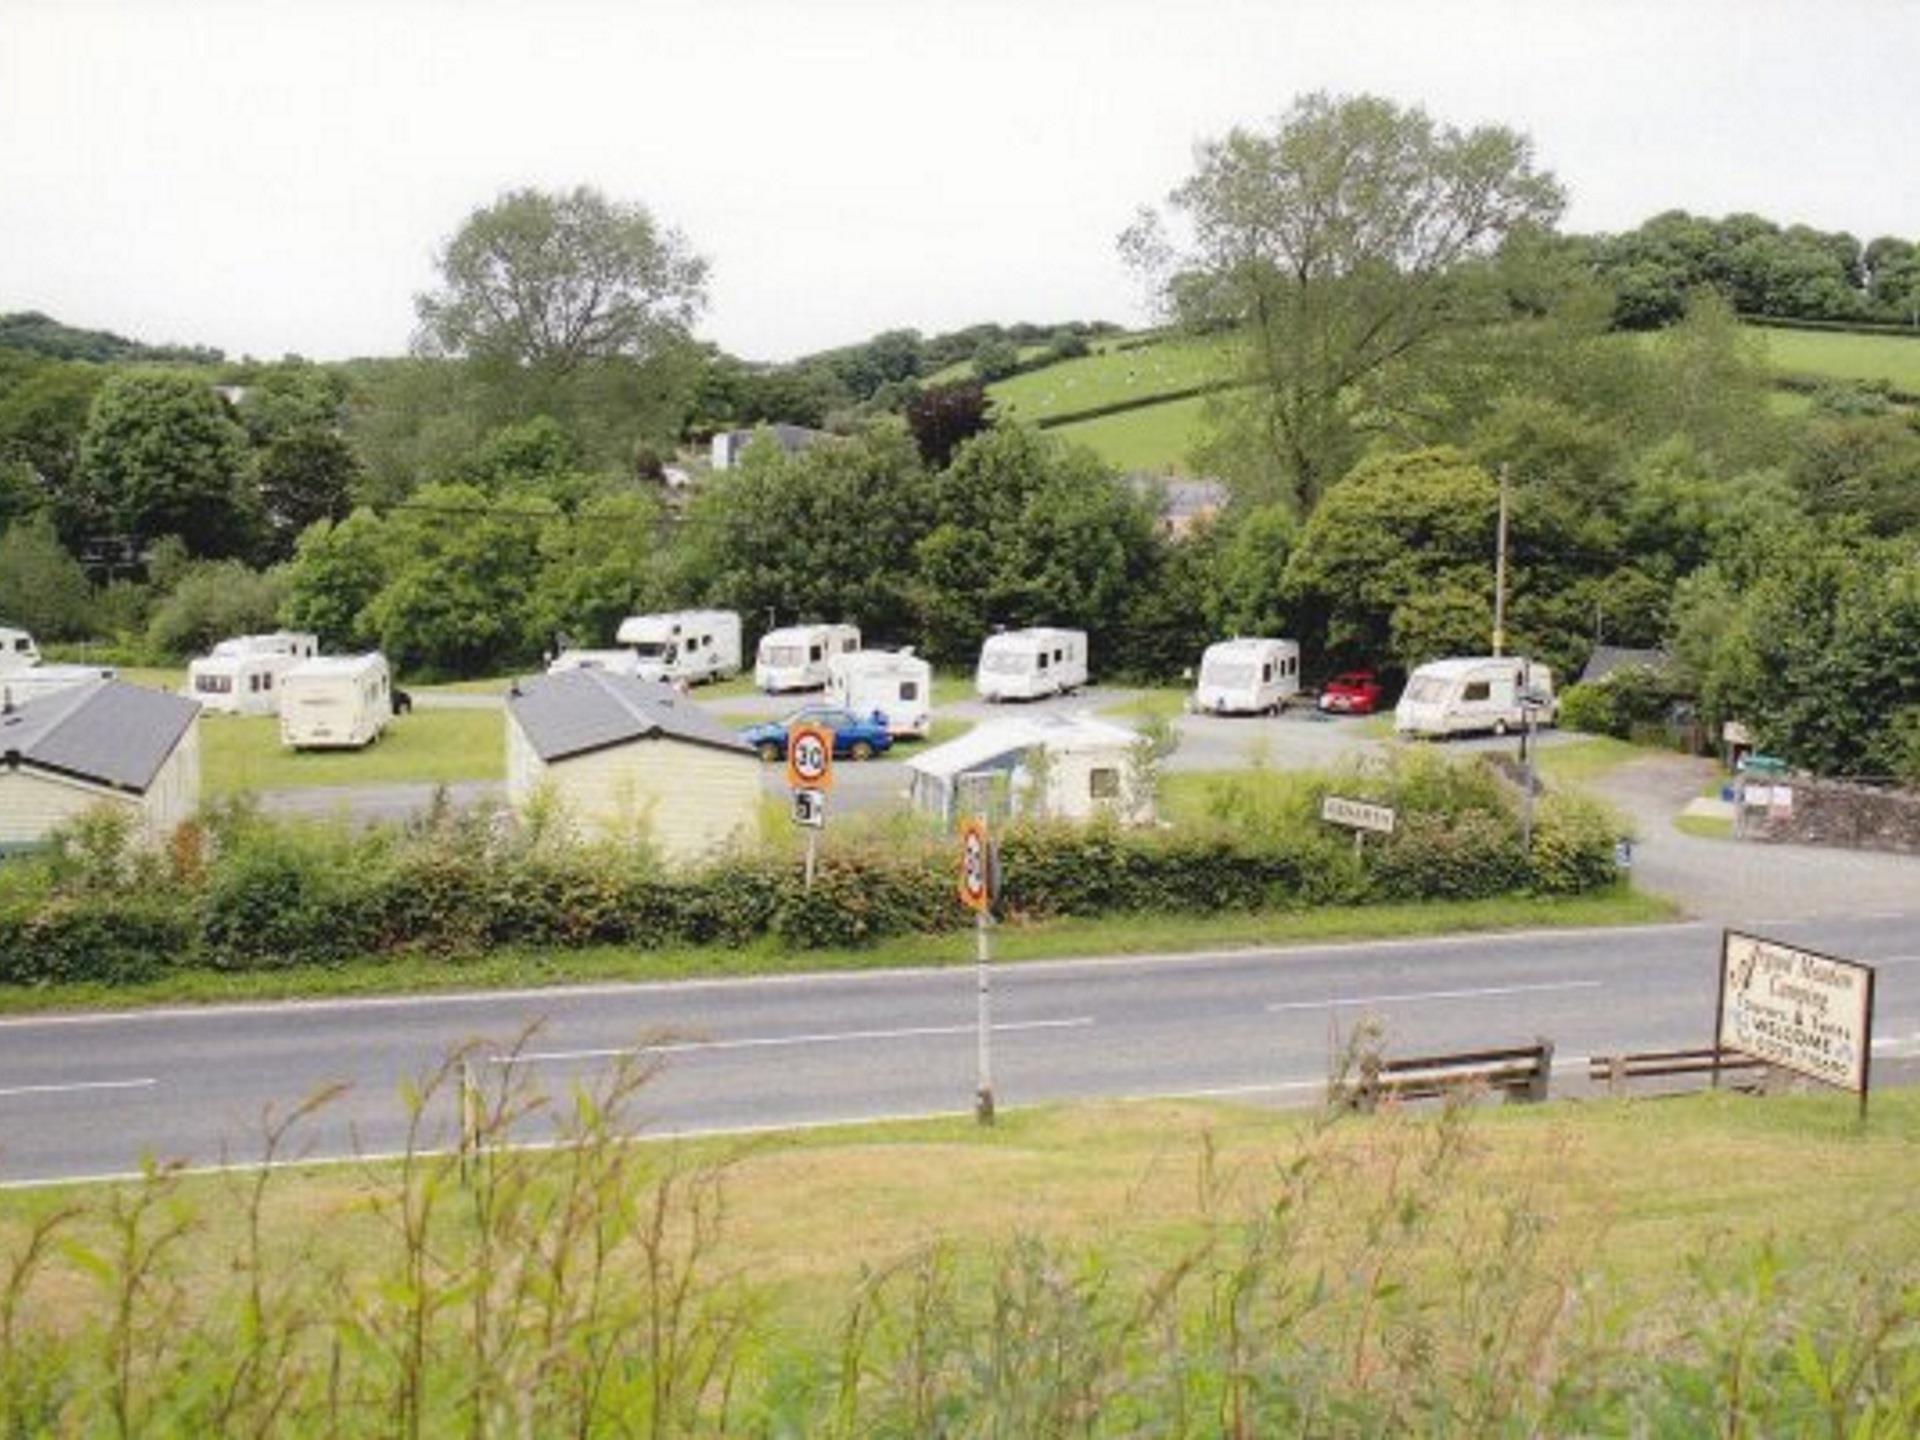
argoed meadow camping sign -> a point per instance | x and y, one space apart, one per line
1802 1011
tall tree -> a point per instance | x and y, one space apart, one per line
164 457
554 281
1340 247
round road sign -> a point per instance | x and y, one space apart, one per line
810 757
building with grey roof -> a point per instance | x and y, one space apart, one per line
629 759
1611 659
102 742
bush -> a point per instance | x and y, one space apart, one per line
1573 844
1473 857
1625 702
101 939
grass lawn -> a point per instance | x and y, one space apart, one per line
513 968
243 752
1705 827
1837 355
1161 703
495 685
1157 438
1589 758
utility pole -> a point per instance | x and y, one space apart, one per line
1500 573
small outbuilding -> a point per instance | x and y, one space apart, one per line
626 757
103 742
1064 767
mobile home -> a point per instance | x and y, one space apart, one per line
689 645
242 676
17 650
1251 676
1474 694
614 662
1029 664
97 745
798 657
1055 766
895 683
335 702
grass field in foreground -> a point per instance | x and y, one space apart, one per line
243 752
510 968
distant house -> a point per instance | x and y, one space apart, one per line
1611 659
626 757
98 743
730 445
1181 503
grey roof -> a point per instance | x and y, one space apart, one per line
577 711
105 731
1606 659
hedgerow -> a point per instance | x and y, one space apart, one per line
245 893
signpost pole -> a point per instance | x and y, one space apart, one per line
1866 1059
982 955
813 851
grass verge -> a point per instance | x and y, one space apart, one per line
512 968
1705 827
243 752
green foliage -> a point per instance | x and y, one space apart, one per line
940 417
42 587
165 458
43 414
38 334
1573 840
996 360
213 600
1625 703
1249 572
336 573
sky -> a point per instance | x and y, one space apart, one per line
275 178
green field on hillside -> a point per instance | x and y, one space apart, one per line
1159 438
1109 378
1840 356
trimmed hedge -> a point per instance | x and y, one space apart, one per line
272 895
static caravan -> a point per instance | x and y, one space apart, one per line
24 676
335 702
242 676
895 683
1250 676
689 645
798 657
1057 766
101 745
17 650
1029 664
1474 694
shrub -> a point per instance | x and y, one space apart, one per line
101 939
1573 842
1430 857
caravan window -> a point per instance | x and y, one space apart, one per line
21 644
813 654
1266 673
1477 690
1426 689
909 689
1059 654
212 684
1103 783
1040 662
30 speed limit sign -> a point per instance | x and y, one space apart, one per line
810 758
976 865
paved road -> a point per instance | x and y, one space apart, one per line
88 1095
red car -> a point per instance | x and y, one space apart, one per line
1351 692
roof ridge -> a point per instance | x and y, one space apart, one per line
632 704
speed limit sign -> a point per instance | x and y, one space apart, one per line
810 758
976 866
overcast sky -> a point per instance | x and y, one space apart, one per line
273 177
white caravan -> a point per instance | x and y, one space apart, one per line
798 657
1249 676
1475 693
242 676
24 676
1028 664
335 702
896 683
689 645
1090 768
614 662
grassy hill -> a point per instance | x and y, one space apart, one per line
1837 355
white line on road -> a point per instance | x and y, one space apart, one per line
76 1085
1475 994
758 1042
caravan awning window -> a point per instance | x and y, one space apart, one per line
780 655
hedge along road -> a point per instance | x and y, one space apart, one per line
86 1096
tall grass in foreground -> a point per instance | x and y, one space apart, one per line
1367 1277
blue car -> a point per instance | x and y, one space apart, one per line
854 736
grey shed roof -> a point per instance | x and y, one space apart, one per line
578 711
105 731
1606 659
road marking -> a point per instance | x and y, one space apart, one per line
761 1042
77 1085
1490 939
1488 990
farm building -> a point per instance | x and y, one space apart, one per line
629 757
98 743
1089 768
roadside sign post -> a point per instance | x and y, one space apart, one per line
976 893
1796 1010
810 777
1359 816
